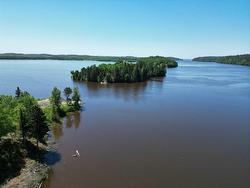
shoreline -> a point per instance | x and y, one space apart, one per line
35 173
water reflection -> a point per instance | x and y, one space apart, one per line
77 119
57 131
71 120
149 134
126 91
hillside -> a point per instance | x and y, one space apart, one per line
65 57
233 59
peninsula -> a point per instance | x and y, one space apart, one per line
232 59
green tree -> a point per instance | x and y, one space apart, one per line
123 71
55 101
67 93
38 120
6 124
55 98
136 74
18 92
76 98
54 113
31 115
22 123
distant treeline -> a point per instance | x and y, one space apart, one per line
65 57
70 57
123 71
175 58
234 59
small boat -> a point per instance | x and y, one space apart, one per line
77 154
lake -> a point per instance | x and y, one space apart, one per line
190 129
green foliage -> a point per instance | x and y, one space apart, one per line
68 108
49 114
76 98
67 93
159 59
236 59
36 124
6 124
55 101
55 98
57 109
22 113
8 117
123 71
22 123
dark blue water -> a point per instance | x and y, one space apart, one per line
37 76
191 129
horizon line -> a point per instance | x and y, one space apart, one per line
21 53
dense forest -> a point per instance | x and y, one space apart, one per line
123 71
234 59
71 57
24 123
21 120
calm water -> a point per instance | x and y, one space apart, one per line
192 129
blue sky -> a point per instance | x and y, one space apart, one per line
181 28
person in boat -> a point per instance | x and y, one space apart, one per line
77 154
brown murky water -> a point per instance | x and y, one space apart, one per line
192 129
157 134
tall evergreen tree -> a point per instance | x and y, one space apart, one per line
55 98
76 98
18 92
22 123
55 101
67 93
38 127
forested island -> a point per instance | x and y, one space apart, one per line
24 125
233 59
125 72
20 56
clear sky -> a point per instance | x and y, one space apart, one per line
181 28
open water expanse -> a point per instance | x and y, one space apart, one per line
190 129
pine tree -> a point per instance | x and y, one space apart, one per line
67 93
76 98
22 123
18 92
